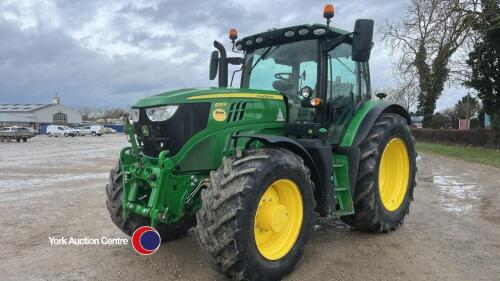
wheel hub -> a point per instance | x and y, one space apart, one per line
273 217
278 219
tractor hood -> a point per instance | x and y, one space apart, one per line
192 95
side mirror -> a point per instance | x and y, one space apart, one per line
214 65
381 95
362 41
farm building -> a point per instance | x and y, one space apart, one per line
35 115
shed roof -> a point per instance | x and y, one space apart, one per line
21 107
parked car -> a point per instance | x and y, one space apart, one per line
108 130
59 130
17 133
94 130
34 131
77 130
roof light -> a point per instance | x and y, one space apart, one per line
233 34
289 33
249 42
328 11
319 31
259 40
303 31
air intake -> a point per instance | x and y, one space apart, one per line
236 111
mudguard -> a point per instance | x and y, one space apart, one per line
317 156
375 109
358 130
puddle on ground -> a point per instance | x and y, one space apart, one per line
456 196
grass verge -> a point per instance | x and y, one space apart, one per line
473 154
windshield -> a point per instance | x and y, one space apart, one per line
285 68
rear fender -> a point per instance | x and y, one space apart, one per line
360 127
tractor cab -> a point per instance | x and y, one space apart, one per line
322 72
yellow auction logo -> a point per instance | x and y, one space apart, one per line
219 115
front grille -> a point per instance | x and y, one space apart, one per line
172 134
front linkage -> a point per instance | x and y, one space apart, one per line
152 189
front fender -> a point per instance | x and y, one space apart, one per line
317 157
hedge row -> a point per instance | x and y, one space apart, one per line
474 137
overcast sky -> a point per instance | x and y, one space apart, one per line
109 53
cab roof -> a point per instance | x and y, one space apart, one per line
288 34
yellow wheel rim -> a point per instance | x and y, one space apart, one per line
394 173
278 219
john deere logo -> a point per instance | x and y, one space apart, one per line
219 115
145 131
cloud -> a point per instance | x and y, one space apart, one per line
111 52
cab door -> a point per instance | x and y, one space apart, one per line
347 87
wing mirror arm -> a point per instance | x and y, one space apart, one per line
220 63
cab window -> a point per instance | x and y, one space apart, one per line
284 68
342 90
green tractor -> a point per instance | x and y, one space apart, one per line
252 166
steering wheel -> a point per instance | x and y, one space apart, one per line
287 76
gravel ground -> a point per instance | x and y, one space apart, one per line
54 187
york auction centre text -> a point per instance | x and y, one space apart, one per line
78 241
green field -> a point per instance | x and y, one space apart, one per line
473 154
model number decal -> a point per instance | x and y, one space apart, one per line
219 115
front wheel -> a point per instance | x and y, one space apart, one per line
256 216
386 176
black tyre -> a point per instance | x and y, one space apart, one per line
114 191
18 139
386 176
93 134
25 139
232 227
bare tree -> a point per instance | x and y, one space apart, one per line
404 93
426 37
87 112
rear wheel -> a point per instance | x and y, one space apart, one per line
93 134
25 139
114 192
256 216
386 176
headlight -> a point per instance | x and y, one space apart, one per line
306 91
161 113
134 114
